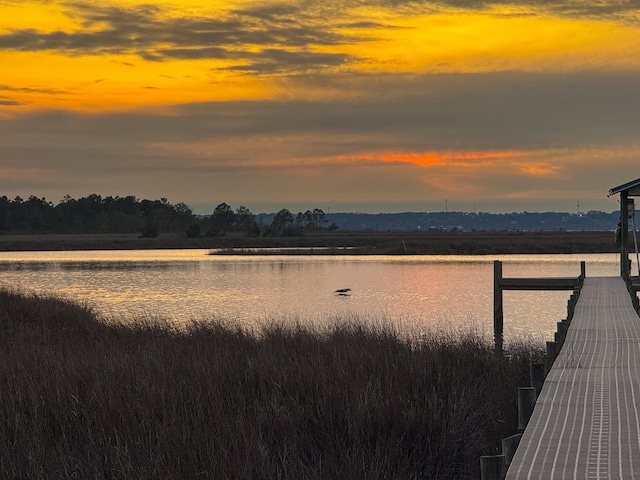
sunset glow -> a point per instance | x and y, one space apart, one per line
64 55
482 88
445 158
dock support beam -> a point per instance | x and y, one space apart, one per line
500 284
624 234
498 314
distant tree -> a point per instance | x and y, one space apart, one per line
306 220
150 230
283 224
183 217
18 214
183 209
222 219
92 214
318 217
128 205
5 213
245 221
39 215
193 231
310 220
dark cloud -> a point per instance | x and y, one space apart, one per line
486 111
46 91
271 61
196 53
11 103
266 39
494 110
622 10
148 31
366 25
270 12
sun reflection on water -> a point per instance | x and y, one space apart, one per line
411 293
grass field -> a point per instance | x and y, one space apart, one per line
85 398
364 243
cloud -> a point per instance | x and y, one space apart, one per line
11 103
282 34
407 140
593 9
271 61
496 111
47 91
507 116
426 159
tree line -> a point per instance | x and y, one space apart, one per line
224 219
97 214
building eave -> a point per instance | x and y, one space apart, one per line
632 188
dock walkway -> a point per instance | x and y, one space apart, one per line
586 422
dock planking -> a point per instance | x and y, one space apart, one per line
586 422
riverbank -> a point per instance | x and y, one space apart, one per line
334 243
86 399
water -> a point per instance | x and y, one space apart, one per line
411 292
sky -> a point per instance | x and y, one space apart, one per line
344 105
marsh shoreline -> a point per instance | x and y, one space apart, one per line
334 243
89 398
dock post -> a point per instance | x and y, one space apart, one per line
583 272
498 314
492 467
526 403
624 234
509 447
537 372
571 305
550 357
561 332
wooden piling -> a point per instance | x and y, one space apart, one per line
498 313
526 403
561 332
537 374
509 447
624 234
492 467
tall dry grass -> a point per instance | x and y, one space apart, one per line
83 399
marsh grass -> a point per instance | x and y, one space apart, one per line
334 243
85 399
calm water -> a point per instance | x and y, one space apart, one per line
413 292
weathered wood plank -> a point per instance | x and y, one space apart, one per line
552 283
586 422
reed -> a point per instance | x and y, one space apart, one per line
83 397
335 243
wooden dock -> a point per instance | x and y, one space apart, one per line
586 421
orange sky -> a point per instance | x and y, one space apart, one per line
342 103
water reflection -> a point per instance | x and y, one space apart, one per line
413 292
28 266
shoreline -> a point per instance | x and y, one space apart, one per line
334 243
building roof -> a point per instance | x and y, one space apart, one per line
633 188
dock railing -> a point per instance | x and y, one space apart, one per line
494 467
500 284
